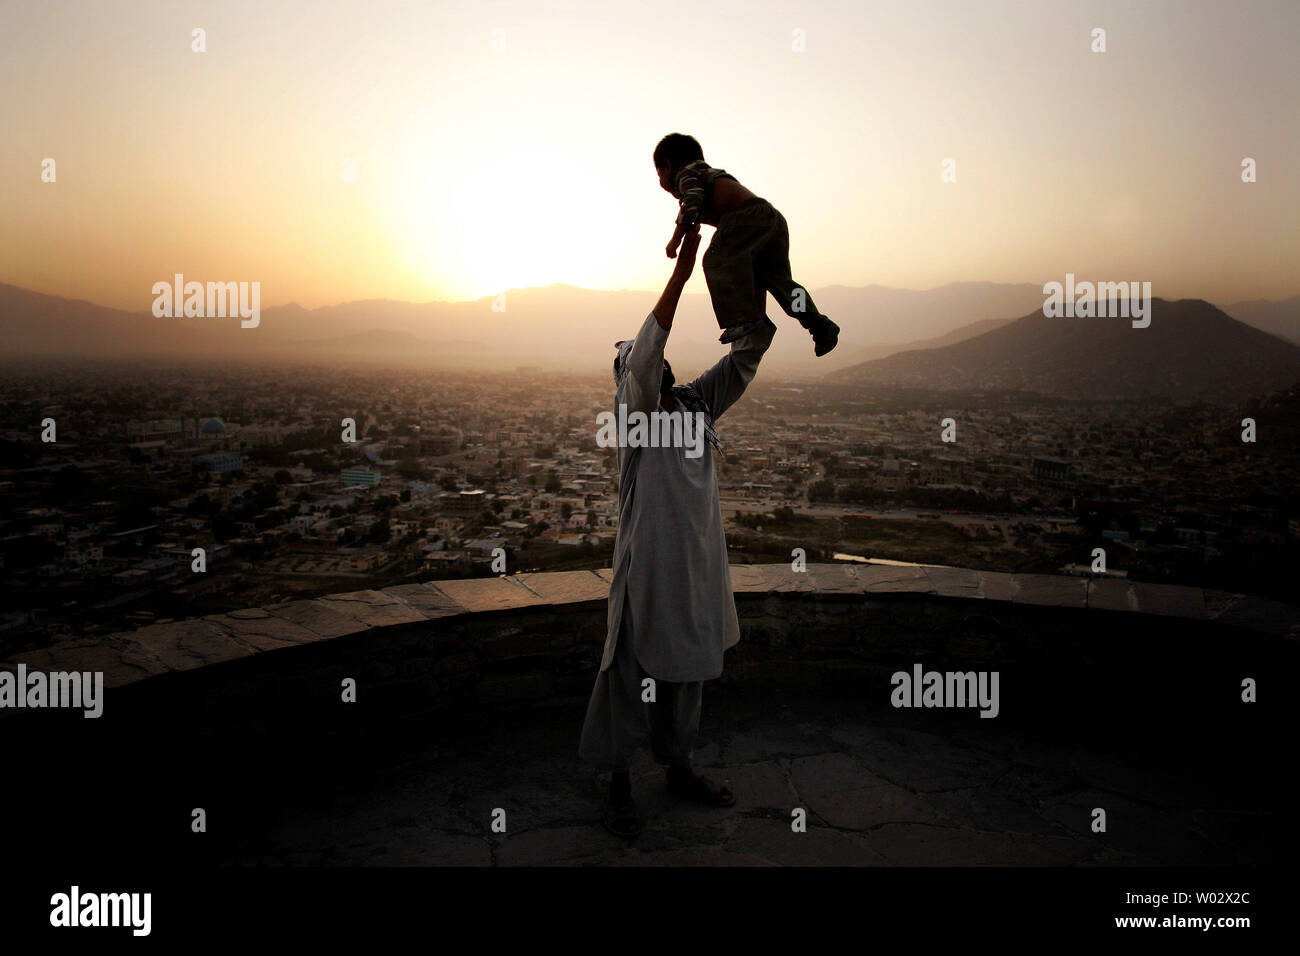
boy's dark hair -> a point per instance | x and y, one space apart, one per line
677 149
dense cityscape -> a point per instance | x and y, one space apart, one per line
131 495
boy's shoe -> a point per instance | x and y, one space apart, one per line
825 333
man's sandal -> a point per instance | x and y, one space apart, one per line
623 820
703 790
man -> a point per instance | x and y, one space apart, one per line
671 608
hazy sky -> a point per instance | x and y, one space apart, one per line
480 169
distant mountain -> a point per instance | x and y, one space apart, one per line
570 325
880 315
1276 318
557 328
1190 351
951 338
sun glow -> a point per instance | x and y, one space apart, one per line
498 219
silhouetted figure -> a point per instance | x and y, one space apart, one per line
750 252
672 612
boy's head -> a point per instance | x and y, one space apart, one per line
673 152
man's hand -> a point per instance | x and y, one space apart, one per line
667 305
690 245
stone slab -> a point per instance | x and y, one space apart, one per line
121 660
770 579
1170 600
997 585
318 618
849 797
374 608
489 594
955 582
1051 590
834 579
1111 594
262 630
425 598
188 645
772 839
566 587
897 579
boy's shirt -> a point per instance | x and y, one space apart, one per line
694 187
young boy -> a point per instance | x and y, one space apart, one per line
750 252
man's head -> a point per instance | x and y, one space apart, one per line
673 152
666 381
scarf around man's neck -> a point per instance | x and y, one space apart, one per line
688 395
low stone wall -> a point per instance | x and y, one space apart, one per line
535 640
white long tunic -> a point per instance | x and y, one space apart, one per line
670 555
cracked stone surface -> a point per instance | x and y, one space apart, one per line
1109 594
374 608
888 579
566 587
318 618
260 630
879 787
955 582
426 599
490 594
1055 590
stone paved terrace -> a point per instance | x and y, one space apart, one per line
471 693
878 791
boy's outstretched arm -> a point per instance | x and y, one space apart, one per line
675 241
691 188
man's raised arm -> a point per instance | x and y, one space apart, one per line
723 384
645 362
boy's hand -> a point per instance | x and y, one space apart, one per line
671 248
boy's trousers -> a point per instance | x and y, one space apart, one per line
618 720
748 257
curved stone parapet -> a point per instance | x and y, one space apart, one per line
133 656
